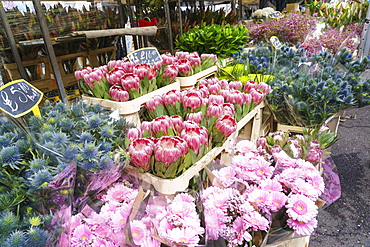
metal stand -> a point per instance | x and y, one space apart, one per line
363 50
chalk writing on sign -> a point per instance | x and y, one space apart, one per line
149 55
275 14
275 42
18 97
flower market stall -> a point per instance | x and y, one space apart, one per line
184 149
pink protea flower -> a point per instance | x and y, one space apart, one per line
181 54
248 86
169 149
323 129
127 66
192 100
213 57
117 93
194 59
112 64
79 74
235 97
214 88
140 151
226 125
215 110
130 81
95 75
247 98
229 109
216 99
203 90
171 71
195 137
161 124
171 97
177 123
196 117
144 70
301 208
146 125
263 87
262 142
303 228
167 58
257 96
235 85
152 103
184 67
189 124
114 76
134 133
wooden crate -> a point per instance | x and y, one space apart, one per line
101 56
190 81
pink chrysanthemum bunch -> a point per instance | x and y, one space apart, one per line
228 214
175 223
276 183
106 228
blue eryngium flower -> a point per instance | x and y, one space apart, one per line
16 239
10 156
8 222
105 162
94 121
105 146
107 131
4 141
66 124
46 136
36 237
38 164
71 152
40 177
61 138
89 151
86 137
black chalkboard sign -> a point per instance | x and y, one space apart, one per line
19 97
149 55
275 14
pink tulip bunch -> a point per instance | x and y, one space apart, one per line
278 184
106 227
175 223
166 146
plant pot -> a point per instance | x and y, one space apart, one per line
190 81
130 109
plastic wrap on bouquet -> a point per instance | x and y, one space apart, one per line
332 190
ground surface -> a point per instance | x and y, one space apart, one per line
346 222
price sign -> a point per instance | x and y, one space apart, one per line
275 42
275 14
19 97
149 55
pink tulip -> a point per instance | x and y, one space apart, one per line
171 97
192 100
226 125
114 76
177 123
152 103
167 58
214 110
140 151
248 86
161 124
236 85
183 66
257 96
216 99
196 117
117 93
133 133
169 149
195 137
130 81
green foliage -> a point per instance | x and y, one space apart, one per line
214 39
